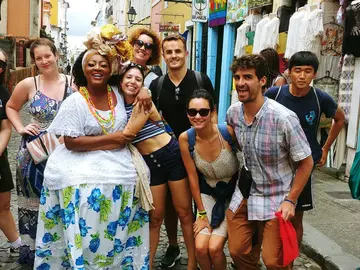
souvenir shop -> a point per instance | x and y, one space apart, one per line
328 28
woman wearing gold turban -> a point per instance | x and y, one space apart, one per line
96 196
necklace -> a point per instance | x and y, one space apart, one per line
101 120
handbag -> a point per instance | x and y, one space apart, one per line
289 240
245 180
42 146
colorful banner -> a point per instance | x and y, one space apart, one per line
200 10
217 12
236 10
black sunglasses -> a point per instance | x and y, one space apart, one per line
194 112
140 43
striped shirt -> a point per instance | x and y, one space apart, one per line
272 145
149 130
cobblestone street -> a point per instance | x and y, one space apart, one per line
9 263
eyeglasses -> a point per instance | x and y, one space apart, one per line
140 43
177 91
194 112
132 64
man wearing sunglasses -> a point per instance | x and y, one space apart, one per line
277 163
171 98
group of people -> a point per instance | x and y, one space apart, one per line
99 199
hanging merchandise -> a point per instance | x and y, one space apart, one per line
241 40
352 29
293 32
259 3
236 10
311 30
217 12
253 20
284 13
267 33
331 45
328 85
346 84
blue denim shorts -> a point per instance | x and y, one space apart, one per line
166 164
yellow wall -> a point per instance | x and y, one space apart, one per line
179 9
54 13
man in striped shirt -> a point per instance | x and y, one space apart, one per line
278 156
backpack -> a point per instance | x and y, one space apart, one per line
161 82
223 131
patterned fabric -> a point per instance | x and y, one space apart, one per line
92 227
149 130
29 176
271 144
346 84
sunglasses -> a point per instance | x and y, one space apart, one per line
140 43
194 112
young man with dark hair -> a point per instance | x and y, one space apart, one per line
170 93
277 162
308 103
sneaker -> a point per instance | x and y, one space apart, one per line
171 256
14 252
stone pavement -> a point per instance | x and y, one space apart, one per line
332 229
9 263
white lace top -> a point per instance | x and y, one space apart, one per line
67 168
311 31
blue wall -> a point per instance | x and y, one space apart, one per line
226 75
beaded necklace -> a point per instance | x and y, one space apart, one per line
101 120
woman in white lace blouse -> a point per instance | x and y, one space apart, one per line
90 215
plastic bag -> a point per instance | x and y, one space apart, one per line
289 240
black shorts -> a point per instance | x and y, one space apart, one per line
305 200
6 181
166 164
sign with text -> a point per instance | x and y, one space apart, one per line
200 10
169 27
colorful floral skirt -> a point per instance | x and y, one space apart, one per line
29 181
92 226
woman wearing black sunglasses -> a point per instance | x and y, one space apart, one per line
146 51
208 148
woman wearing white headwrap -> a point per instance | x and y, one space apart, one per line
96 197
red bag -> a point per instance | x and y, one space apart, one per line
289 240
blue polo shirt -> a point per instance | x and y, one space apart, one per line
307 110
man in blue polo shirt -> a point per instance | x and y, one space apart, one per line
308 103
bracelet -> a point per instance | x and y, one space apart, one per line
202 213
202 217
289 201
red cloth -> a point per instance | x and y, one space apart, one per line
289 240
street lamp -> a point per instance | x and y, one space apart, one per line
131 15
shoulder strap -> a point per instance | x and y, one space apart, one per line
66 88
318 103
278 93
198 79
191 140
226 135
35 83
158 89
